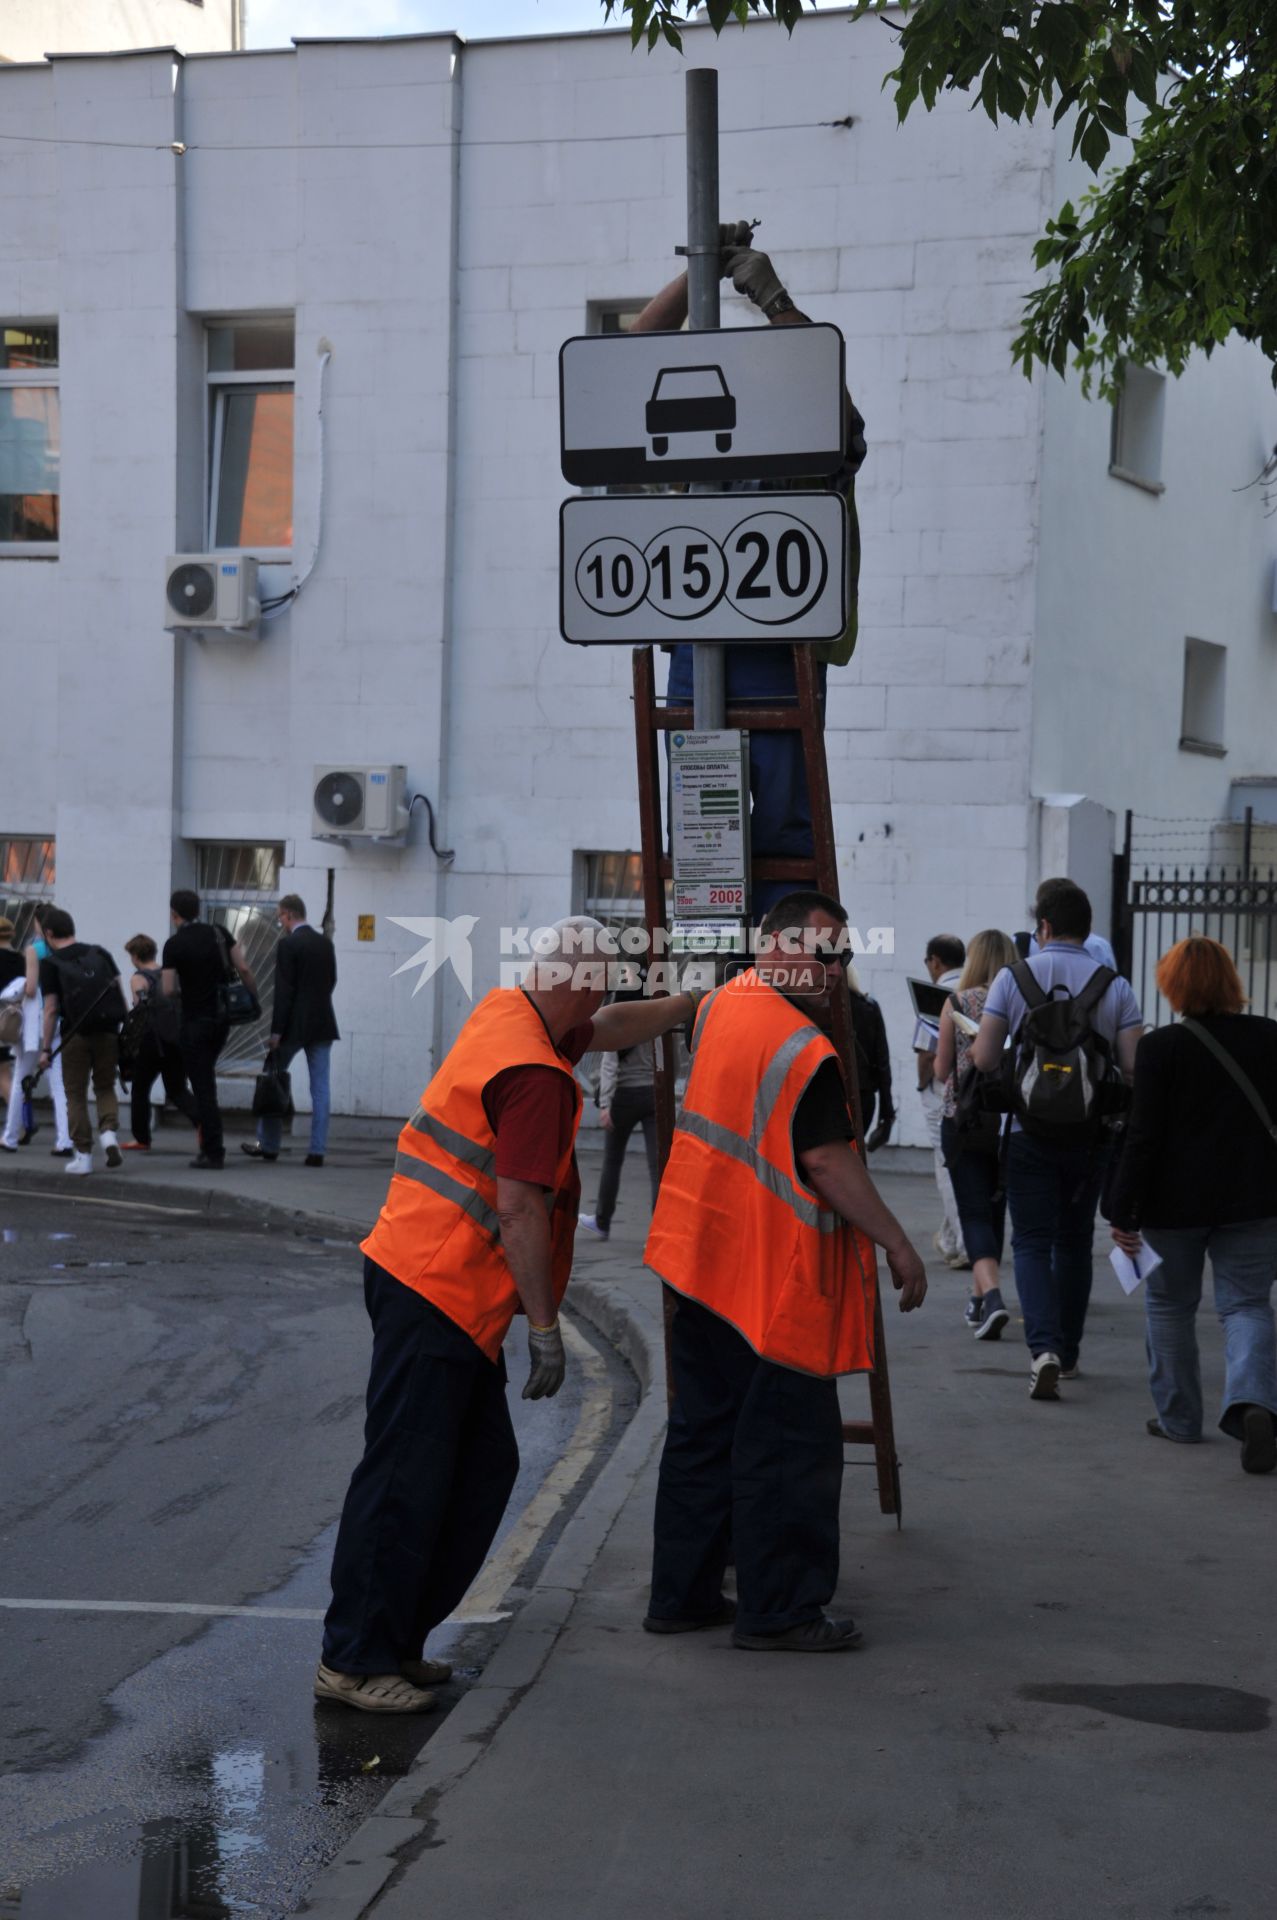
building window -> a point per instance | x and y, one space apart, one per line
250 389
27 872
1135 444
30 438
1202 726
239 889
610 886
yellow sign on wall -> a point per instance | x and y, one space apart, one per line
367 926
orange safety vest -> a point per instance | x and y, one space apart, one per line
439 1232
735 1225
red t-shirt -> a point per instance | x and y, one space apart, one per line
530 1109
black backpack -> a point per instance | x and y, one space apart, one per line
89 1000
1063 1079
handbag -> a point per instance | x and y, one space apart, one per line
11 1022
273 1091
1235 1073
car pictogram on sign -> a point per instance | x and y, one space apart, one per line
690 400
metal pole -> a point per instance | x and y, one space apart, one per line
709 665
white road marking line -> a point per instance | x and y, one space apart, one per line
480 1608
502 1570
197 1607
96 1200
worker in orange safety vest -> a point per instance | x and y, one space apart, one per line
764 1230
477 1226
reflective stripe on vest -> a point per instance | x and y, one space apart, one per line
714 1134
469 1199
471 1151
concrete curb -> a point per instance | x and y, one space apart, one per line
390 1839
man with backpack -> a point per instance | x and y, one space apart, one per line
201 961
83 992
1074 1027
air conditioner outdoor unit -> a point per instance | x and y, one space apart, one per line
359 803
210 591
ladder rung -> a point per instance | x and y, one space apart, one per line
860 1433
750 719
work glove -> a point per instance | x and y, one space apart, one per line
732 236
753 274
549 1363
880 1135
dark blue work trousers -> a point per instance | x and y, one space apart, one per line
425 1502
753 1458
780 810
1053 1190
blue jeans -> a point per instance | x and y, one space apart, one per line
982 1207
780 807
1243 1262
270 1129
1052 1191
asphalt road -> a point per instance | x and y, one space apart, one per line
180 1409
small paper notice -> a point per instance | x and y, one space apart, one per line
1131 1271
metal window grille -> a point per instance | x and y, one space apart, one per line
27 874
239 889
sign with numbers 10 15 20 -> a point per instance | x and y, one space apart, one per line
726 567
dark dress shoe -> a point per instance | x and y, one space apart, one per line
207 1164
255 1151
313 1160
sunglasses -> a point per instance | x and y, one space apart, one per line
830 956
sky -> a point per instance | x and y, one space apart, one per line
273 23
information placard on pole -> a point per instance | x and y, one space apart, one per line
709 824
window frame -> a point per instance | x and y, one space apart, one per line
1213 655
10 378
219 385
1118 469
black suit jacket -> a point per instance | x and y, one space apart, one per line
305 975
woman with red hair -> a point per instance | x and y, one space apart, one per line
1198 1177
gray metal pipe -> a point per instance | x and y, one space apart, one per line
709 663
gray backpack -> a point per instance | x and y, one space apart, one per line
1064 1081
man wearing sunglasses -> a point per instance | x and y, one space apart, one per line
764 1229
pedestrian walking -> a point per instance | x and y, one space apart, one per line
477 1226
780 806
62 1148
943 964
198 961
83 994
763 1234
158 1054
972 1156
19 1033
627 1099
1198 1180
302 1022
873 1064
1075 1027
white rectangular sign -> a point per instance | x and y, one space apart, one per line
709 823
732 403
744 566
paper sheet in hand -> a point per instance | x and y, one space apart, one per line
1130 1272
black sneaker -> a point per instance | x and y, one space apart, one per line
821 1635
993 1317
209 1163
1259 1441
255 1151
971 1312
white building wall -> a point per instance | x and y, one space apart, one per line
30 29
439 219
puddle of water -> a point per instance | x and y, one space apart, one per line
1181 1704
14 1236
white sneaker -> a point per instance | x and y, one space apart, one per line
111 1146
591 1225
80 1163
1043 1376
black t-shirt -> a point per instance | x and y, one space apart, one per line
199 955
12 966
822 1113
